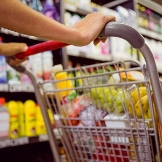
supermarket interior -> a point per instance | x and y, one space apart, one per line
104 107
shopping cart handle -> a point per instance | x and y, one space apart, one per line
125 31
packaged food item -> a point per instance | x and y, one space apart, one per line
3 67
58 74
4 120
21 118
14 119
30 118
67 18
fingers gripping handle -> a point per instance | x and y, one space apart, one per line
19 68
121 30
111 29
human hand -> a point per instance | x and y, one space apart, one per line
90 27
11 49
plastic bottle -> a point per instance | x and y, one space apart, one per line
40 125
4 120
14 119
36 65
50 10
47 61
59 74
21 118
30 118
3 68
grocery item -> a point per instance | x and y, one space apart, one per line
4 120
50 10
36 65
58 74
47 61
30 118
21 118
23 77
40 125
13 76
14 119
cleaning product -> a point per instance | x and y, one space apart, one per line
36 65
40 125
47 61
59 74
50 10
23 77
3 67
14 119
21 118
4 119
30 118
13 76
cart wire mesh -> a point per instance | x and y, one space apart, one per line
107 114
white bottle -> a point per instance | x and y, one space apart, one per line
4 120
47 61
36 66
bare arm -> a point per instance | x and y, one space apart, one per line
18 17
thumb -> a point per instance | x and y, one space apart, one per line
19 47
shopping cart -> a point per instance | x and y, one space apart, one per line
103 123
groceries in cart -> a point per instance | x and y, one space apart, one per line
86 98
106 97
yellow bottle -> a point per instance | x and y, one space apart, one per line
30 118
14 119
51 116
40 125
59 74
21 118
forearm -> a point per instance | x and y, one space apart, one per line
18 17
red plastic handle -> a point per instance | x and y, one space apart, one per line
41 47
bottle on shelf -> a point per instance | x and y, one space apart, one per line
4 119
30 118
14 119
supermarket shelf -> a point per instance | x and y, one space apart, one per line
150 34
9 32
91 56
16 88
151 5
4 143
72 8
115 3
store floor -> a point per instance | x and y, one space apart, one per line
39 152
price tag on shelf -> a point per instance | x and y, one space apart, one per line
19 141
4 87
15 88
5 143
43 137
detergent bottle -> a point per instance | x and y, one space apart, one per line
30 118
4 119
14 119
21 118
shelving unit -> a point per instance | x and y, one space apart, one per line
4 143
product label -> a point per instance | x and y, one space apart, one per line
4 124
